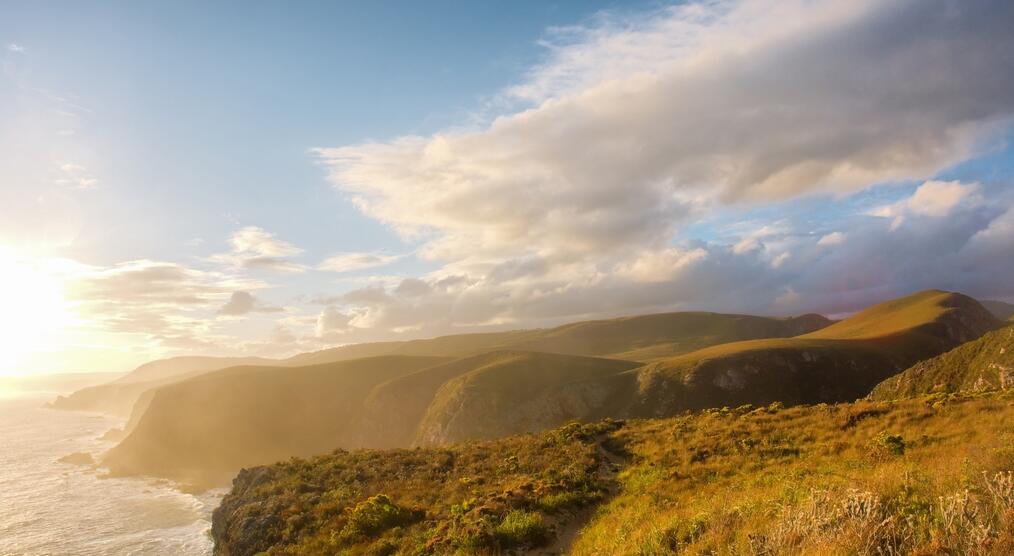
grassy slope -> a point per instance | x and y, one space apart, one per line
983 364
394 409
635 338
203 429
512 392
914 476
841 362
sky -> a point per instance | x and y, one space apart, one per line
267 178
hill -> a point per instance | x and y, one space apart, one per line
983 364
841 362
635 338
924 476
499 391
201 430
118 396
504 393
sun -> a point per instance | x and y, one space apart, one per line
33 310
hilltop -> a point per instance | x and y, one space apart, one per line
983 364
841 362
636 338
924 476
388 403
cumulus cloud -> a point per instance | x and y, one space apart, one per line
241 303
349 262
833 238
695 107
255 248
933 199
570 203
331 320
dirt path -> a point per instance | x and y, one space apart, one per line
568 527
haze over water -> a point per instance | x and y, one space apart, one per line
48 507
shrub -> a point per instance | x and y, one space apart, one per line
371 516
521 528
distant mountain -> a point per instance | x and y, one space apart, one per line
1001 309
201 430
841 362
635 338
118 397
638 338
983 364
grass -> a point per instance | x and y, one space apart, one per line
930 475
841 362
983 364
476 498
903 477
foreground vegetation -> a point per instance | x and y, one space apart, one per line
931 475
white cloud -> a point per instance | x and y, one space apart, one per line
933 199
14 47
349 262
833 238
641 122
570 203
255 248
331 320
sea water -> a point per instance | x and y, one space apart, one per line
53 508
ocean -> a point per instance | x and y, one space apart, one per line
53 508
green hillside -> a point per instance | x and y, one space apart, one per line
841 362
983 364
201 430
924 476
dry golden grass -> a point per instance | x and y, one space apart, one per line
924 476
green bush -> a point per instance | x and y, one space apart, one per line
521 528
371 516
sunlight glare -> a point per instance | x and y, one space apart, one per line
32 310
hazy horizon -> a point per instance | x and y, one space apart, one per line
298 179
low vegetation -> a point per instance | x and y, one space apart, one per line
930 475
511 494
983 364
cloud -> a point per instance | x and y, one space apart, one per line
164 302
241 303
331 320
933 199
572 200
255 248
14 47
634 126
833 238
349 262
77 176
